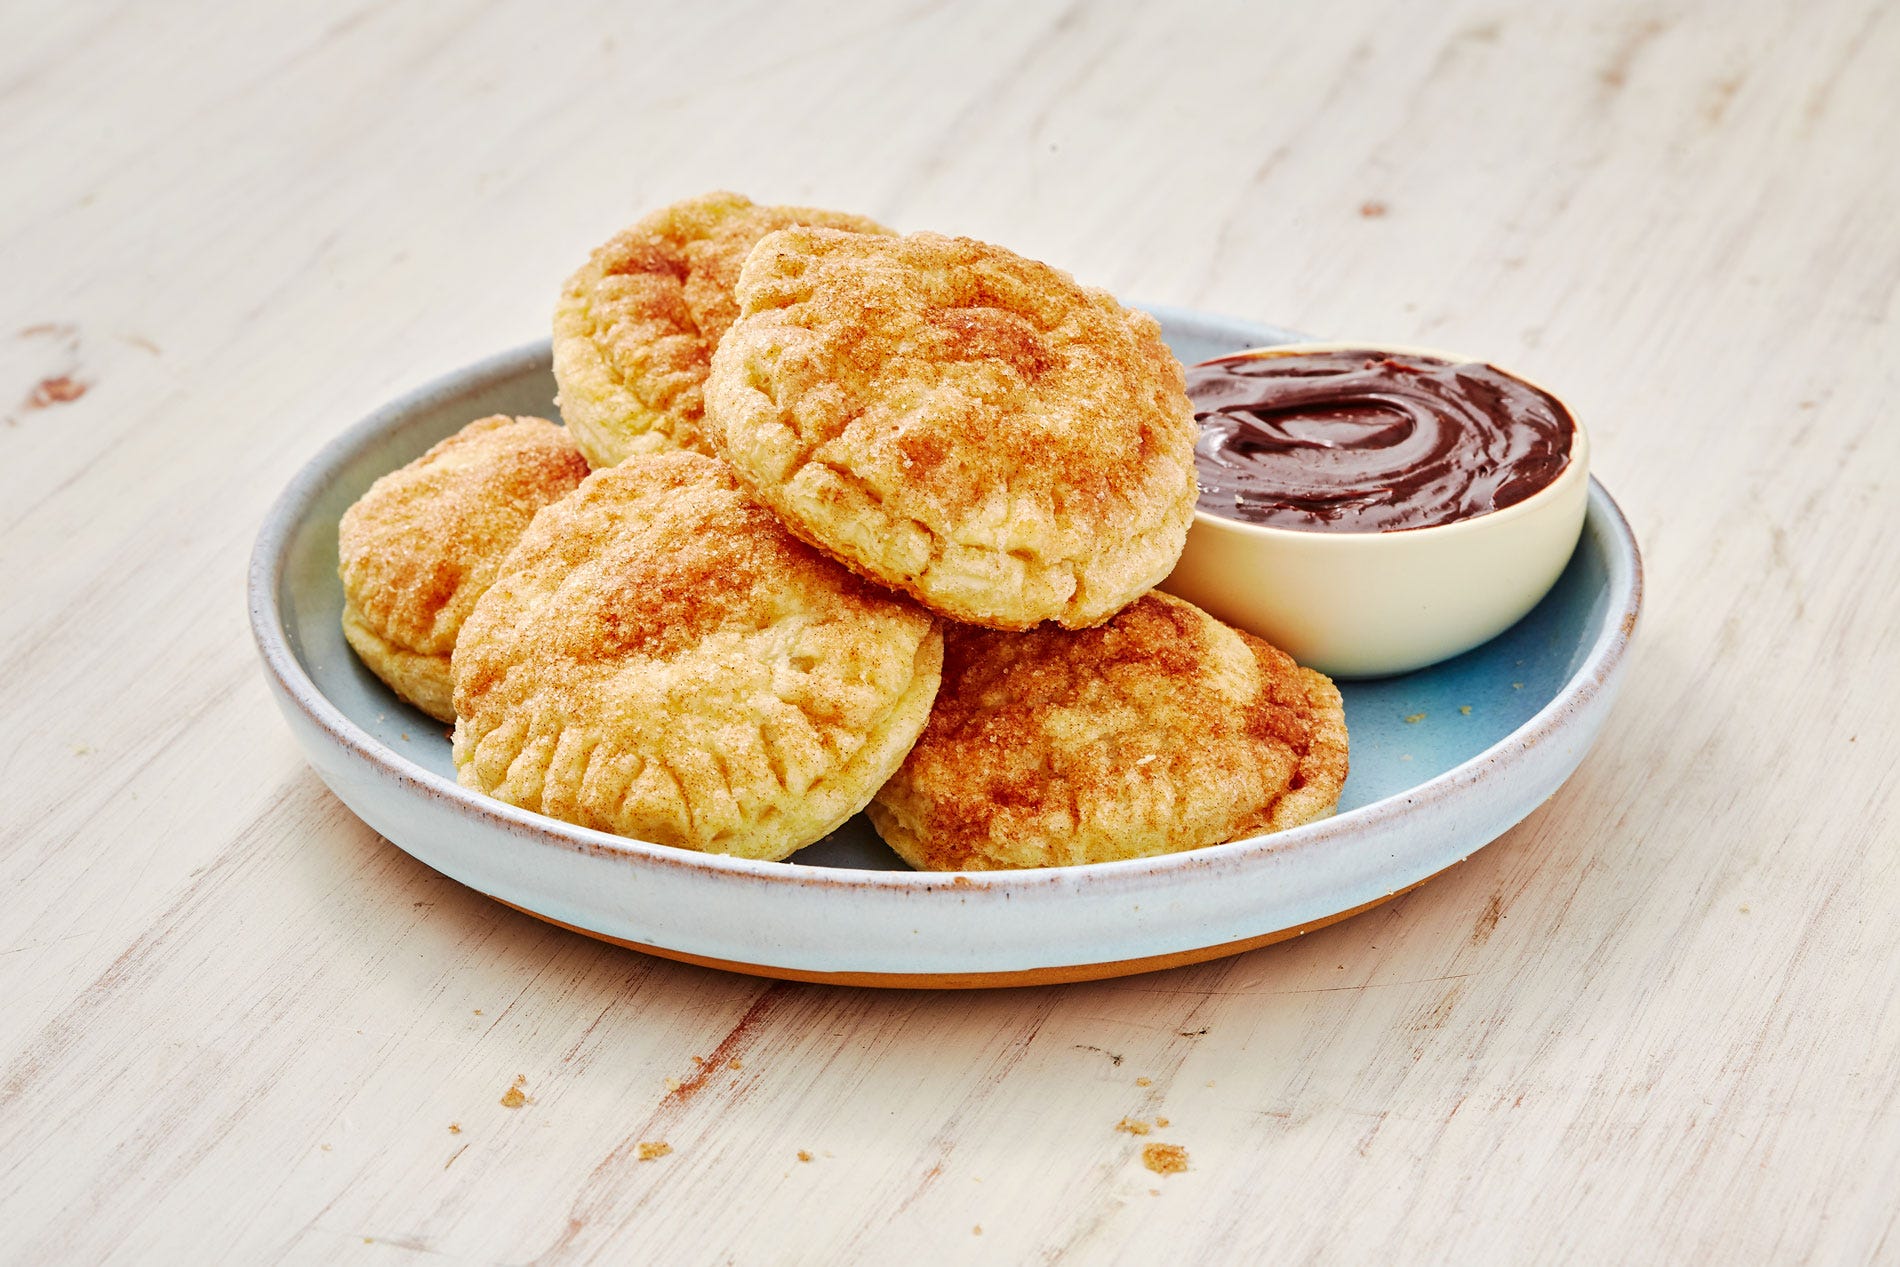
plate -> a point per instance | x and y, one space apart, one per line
1444 760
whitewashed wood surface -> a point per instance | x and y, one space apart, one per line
1656 1023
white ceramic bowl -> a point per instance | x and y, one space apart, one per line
1366 604
1442 762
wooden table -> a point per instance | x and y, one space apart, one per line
1657 1022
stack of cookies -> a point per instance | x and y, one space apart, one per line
839 519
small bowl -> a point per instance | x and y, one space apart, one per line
1367 604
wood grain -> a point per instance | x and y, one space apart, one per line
1657 1022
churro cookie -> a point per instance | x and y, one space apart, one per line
957 422
636 326
1162 730
661 659
421 545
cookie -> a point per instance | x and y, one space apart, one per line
661 659
637 324
421 545
1162 730
957 422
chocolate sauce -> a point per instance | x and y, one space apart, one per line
1366 441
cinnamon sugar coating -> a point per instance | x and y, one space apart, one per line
1162 730
957 422
636 325
661 659
423 543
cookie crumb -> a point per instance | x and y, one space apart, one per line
1164 1159
1162 1123
977 1230
734 1064
804 1154
1373 209
1144 1082
61 389
1414 719
512 1098
653 1150
455 1128
1465 709
1133 1125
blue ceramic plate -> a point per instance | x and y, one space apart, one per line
1443 761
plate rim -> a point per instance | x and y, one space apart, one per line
269 632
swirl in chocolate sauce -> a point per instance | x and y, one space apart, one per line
1369 441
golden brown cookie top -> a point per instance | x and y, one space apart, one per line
418 549
660 658
636 326
958 421
1161 730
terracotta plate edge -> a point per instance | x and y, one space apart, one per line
1058 974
